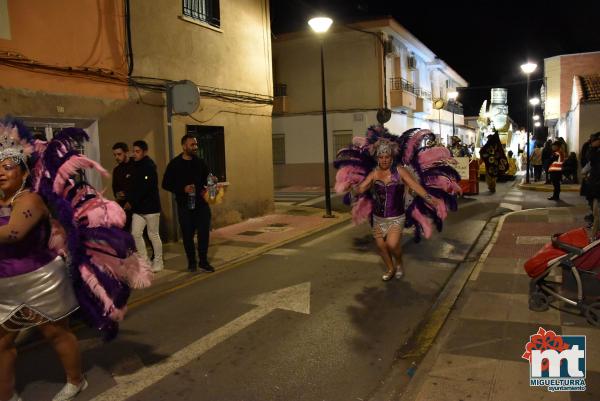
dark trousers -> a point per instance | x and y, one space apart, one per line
192 222
555 177
537 172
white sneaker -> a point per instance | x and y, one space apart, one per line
70 391
15 397
157 266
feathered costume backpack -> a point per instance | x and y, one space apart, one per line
430 165
86 228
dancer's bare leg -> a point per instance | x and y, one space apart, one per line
8 355
385 255
393 243
64 342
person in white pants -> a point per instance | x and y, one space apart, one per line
144 202
138 223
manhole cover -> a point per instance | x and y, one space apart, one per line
251 233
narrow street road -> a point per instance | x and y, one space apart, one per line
310 321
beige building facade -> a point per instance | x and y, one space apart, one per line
85 74
368 66
569 100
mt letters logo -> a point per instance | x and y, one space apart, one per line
556 362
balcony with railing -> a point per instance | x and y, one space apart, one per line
403 94
407 95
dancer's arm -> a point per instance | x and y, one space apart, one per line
415 186
364 185
27 211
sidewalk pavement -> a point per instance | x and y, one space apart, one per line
477 353
239 242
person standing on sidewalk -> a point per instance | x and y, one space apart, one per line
555 169
536 162
547 159
186 177
121 179
593 181
144 203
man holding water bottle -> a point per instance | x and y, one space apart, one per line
186 177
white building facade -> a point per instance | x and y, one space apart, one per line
369 66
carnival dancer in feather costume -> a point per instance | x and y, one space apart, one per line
61 248
378 170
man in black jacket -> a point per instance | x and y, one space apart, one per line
186 177
144 202
121 178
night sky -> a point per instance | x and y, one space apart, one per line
484 41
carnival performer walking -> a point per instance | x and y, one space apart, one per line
37 286
379 170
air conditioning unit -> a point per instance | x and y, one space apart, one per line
412 63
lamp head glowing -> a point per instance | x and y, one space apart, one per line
452 95
320 24
528 68
534 101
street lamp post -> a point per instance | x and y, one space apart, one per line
452 96
321 25
528 68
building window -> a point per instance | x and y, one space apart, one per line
203 11
341 140
211 147
278 148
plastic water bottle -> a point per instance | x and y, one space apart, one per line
191 201
211 183
412 369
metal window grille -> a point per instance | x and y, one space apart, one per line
211 147
203 10
278 148
280 89
341 140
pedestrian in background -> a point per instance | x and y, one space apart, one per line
495 160
547 159
121 179
592 170
186 177
555 169
536 162
570 167
144 202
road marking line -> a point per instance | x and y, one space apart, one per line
356 257
282 252
327 236
295 298
533 239
511 206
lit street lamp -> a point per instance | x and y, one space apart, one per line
452 96
321 25
528 69
536 117
537 124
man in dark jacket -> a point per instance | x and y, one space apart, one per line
186 177
144 202
593 192
121 178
